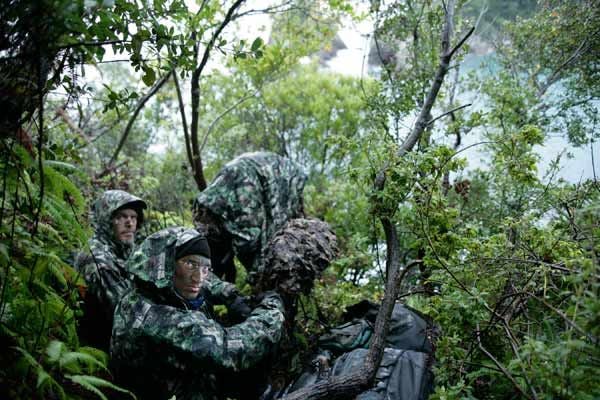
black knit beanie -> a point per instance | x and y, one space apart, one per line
197 245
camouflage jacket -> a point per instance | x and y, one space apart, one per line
160 348
254 195
103 266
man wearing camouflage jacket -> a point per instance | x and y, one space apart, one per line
251 198
117 217
163 343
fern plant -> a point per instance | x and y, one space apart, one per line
40 213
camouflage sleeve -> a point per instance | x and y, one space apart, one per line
104 283
190 334
218 291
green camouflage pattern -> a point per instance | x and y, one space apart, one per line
254 195
153 262
103 265
159 348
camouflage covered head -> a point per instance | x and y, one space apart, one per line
297 255
154 260
107 204
253 196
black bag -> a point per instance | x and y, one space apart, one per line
405 370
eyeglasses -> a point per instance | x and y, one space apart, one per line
192 265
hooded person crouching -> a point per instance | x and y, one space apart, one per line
117 217
163 342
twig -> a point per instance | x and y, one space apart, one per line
214 122
447 113
569 321
513 345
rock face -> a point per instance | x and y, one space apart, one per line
297 255
331 51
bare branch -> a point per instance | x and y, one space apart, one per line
157 85
348 386
462 41
422 120
280 8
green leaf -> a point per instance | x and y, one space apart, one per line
149 76
257 44
62 165
42 377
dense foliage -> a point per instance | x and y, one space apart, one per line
503 255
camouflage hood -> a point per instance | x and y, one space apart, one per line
254 195
106 205
154 260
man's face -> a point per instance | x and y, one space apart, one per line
124 224
190 273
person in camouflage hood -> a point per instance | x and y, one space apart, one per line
117 216
251 198
163 343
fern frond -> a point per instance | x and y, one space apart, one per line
46 229
54 350
61 186
96 353
93 384
82 381
62 165
44 381
73 359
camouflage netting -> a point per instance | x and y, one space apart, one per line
297 255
